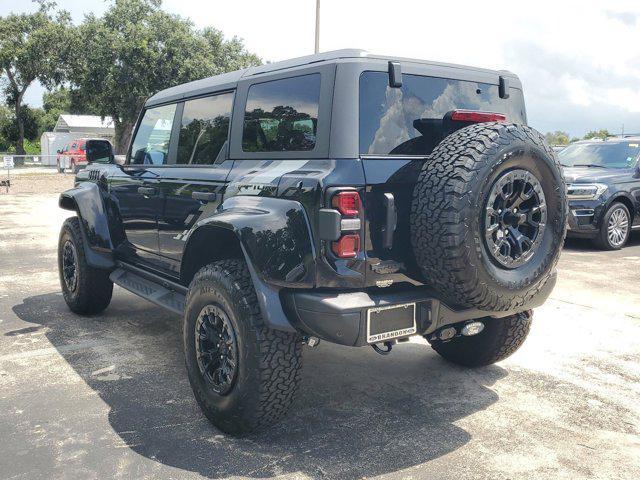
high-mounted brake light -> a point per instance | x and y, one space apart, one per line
477 117
347 247
347 203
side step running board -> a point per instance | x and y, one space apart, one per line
149 290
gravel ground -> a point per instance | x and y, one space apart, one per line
108 397
35 180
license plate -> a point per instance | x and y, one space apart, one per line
385 323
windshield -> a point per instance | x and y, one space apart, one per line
605 154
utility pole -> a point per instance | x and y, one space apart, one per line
317 50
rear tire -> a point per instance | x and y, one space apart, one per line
85 289
618 219
254 380
500 338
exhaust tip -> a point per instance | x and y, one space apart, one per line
472 328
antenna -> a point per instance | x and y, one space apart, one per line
317 50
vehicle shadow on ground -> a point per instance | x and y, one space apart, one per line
586 245
358 414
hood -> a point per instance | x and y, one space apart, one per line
593 174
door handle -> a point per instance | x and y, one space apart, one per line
204 196
147 190
391 220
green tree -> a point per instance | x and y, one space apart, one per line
602 133
5 119
30 119
57 100
33 46
557 138
135 50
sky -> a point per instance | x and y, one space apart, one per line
579 61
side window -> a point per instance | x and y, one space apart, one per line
282 115
151 145
204 129
66 148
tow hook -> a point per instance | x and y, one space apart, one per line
468 329
381 351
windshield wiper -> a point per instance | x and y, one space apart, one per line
588 165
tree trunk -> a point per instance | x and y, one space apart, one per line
20 122
124 130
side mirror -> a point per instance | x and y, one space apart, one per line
59 151
99 151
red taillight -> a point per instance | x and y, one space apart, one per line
347 247
347 203
477 117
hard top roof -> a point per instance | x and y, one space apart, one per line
229 80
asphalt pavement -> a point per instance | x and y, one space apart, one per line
108 396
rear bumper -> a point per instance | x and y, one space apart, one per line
341 317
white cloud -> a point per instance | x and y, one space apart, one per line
579 61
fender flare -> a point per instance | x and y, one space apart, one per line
86 200
277 245
616 195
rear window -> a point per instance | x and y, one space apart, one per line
282 115
408 120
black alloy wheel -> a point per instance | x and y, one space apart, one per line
216 349
515 218
70 265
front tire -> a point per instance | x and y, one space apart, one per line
615 228
500 338
244 375
85 289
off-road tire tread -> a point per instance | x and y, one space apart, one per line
94 289
441 209
279 352
500 339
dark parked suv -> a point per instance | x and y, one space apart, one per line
345 197
603 180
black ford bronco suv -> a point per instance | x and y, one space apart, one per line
343 196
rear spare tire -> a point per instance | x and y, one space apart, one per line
488 216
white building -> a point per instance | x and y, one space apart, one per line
73 127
